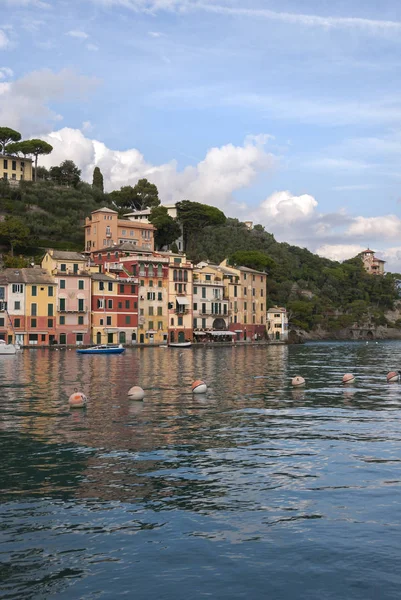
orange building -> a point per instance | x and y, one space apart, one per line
372 264
103 229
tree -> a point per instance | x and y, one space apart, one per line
14 232
8 135
194 217
97 179
42 174
67 173
33 148
167 228
253 259
143 195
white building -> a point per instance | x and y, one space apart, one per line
210 308
277 323
143 216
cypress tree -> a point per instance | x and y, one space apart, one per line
97 179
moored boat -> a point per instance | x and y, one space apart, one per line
8 348
180 344
102 349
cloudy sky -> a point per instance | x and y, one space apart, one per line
284 112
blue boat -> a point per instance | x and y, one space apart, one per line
104 349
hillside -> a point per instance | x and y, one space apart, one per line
316 291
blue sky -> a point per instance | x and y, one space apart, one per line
284 112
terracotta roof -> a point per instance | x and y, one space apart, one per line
132 224
105 209
102 277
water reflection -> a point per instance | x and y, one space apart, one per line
89 494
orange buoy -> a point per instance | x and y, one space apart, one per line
77 400
136 393
199 387
349 378
298 381
392 377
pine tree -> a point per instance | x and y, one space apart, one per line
97 179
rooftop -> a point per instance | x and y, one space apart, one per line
64 255
34 275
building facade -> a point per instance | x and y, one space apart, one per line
103 229
15 169
210 304
72 277
104 309
277 323
180 297
372 264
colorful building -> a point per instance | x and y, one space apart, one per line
103 229
277 323
372 264
210 304
153 298
71 274
180 297
104 309
15 169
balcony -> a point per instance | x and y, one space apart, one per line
72 310
181 312
209 313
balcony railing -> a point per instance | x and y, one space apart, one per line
73 310
209 313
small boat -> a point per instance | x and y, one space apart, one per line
8 348
180 344
102 349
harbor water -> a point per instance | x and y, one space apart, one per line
255 491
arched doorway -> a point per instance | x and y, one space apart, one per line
98 338
181 337
122 337
219 324
133 338
277 335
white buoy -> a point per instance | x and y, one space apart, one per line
199 387
136 393
298 381
349 378
392 377
77 400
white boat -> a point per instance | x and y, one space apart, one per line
8 348
180 344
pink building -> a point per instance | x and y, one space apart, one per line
73 313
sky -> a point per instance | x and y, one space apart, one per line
286 113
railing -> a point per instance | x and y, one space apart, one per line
181 312
209 313
72 310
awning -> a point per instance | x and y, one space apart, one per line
199 333
238 331
182 300
222 333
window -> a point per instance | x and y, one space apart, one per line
127 319
244 276
17 323
33 323
127 304
203 308
81 284
81 307
62 304
151 295
150 271
108 320
135 304
62 284
14 165
253 319
50 310
203 292
261 320
235 291
253 277
101 321
195 290
1 322
50 323
142 282
253 292
159 325
110 286
50 290
245 305
159 296
18 288
5 163
203 323
122 288
62 320
151 311
134 270
160 283
63 267
34 290
159 270
245 320
109 303
80 338
5 176
254 306
124 232
17 305
195 323
180 321
150 324
80 320
120 305
159 311
235 318
100 303
208 277
261 307
43 337
261 292
195 306
172 322
34 308
133 289
101 286
141 312
150 283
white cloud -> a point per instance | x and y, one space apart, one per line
376 227
285 208
25 102
339 252
213 180
5 73
92 47
370 26
4 40
78 34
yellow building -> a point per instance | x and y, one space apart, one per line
103 229
153 274
14 168
40 306
180 297
277 323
